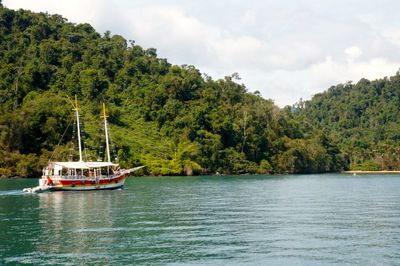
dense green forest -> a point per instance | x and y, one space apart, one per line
363 119
173 119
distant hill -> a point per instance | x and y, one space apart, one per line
364 120
171 118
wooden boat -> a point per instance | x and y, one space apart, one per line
83 175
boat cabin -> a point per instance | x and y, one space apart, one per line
81 170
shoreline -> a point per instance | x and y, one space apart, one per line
343 172
372 172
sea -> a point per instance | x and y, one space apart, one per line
328 219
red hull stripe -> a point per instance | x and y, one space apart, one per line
88 182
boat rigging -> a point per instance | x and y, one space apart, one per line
83 175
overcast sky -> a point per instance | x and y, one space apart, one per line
287 50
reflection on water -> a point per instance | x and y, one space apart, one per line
327 219
63 214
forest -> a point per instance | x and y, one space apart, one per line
173 119
363 119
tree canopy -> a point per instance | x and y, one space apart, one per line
363 119
174 119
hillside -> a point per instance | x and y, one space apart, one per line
363 119
171 118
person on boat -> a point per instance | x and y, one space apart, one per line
116 170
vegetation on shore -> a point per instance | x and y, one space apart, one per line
173 119
363 119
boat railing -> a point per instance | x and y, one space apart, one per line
81 177
78 177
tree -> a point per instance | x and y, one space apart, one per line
174 119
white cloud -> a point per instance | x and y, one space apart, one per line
353 52
287 87
335 72
171 32
76 11
392 35
249 18
237 50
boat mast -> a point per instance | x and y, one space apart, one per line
76 109
106 131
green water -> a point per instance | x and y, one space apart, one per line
251 220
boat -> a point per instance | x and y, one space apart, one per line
83 175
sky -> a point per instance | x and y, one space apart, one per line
285 49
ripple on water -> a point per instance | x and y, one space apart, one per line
12 193
209 220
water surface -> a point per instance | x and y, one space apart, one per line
252 220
